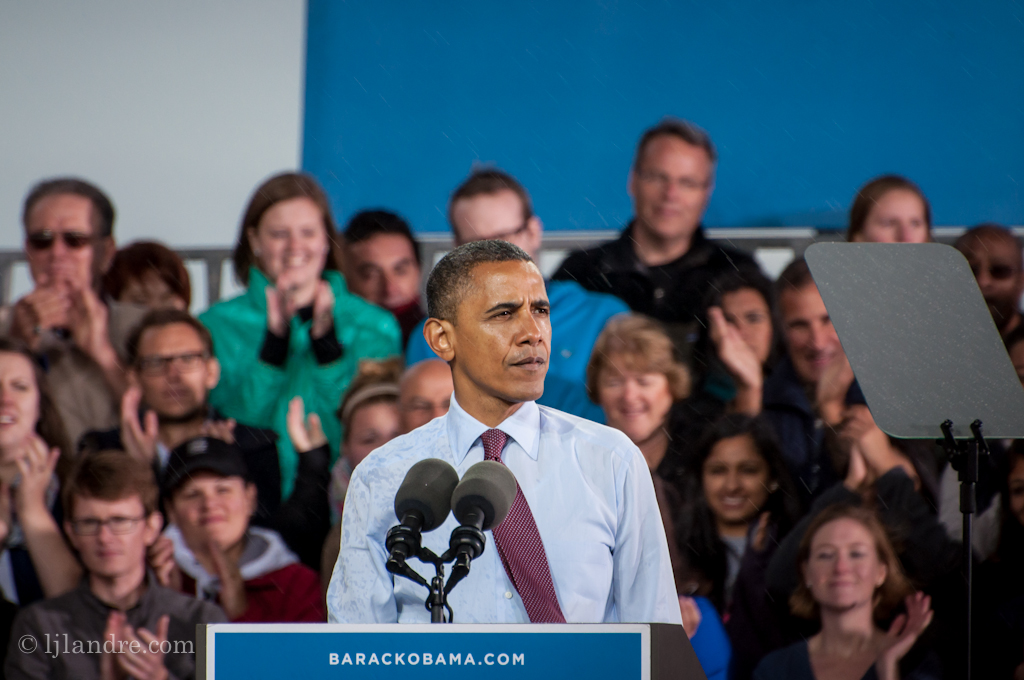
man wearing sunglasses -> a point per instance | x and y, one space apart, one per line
69 243
492 204
995 257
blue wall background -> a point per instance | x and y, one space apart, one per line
805 100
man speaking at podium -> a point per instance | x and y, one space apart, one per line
583 542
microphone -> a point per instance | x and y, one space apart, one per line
421 504
480 502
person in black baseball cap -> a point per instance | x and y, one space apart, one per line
211 550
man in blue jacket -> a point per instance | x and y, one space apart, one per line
492 204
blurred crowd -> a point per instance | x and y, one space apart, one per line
159 470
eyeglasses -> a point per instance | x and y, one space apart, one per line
999 272
44 240
663 181
157 365
506 235
118 525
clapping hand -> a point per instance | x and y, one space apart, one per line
323 310
139 438
137 653
281 301
902 634
160 557
88 318
733 350
306 433
830 395
36 467
45 308
232 586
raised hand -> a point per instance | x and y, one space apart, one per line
148 662
36 467
277 323
739 359
232 586
109 668
220 429
830 395
305 433
323 310
139 439
902 635
160 557
859 430
88 317
857 472
43 309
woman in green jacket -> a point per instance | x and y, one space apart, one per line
296 331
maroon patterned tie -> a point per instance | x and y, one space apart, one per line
521 550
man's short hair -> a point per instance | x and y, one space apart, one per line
680 129
110 475
992 230
165 317
795 276
452 276
102 217
487 182
369 223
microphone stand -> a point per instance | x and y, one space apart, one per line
437 600
963 457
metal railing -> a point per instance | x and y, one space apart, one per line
774 247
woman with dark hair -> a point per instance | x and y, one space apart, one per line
851 582
736 349
743 494
149 274
35 559
890 209
297 330
743 503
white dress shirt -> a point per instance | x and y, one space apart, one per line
590 492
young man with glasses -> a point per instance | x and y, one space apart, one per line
80 337
119 622
172 370
492 204
662 263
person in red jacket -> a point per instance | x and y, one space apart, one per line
217 555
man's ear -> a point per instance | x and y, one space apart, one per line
105 251
72 536
154 523
440 335
212 373
631 183
535 229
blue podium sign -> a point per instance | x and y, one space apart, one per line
353 652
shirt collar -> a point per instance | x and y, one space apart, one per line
464 430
